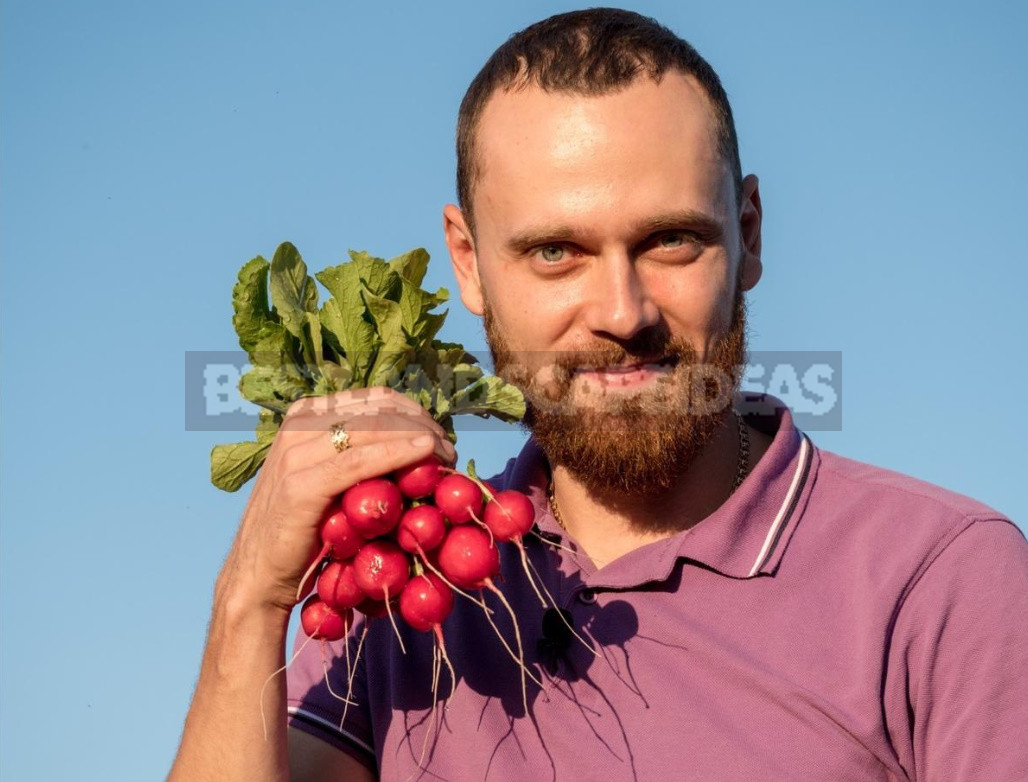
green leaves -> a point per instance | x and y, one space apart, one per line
235 464
292 291
251 316
376 328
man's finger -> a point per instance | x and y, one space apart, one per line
328 404
338 473
356 415
313 450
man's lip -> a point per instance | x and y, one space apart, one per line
665 361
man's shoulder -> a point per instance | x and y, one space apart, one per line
504 479
899 492
893 519
890 526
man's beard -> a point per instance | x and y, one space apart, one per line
627 442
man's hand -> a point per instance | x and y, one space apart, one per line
303 474
277 541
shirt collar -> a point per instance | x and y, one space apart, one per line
743 538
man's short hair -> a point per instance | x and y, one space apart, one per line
595 51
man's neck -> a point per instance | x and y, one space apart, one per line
608 525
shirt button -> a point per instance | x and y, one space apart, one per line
587 596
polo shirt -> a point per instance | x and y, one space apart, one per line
831 620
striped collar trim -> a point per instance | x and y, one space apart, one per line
787 508
744 538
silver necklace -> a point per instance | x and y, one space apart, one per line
742 468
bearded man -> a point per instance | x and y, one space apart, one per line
734 602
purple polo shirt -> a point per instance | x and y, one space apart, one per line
832 620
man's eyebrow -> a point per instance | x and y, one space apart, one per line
706 226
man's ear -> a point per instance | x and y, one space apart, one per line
463 257
750 215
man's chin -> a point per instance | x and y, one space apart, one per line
632 451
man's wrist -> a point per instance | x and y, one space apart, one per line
243 603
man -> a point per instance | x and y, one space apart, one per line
749 606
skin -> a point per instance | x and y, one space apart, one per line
602 165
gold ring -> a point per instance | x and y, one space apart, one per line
340 437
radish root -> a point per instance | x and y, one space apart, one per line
528 573
314 566
436 666
561 613
446 659
520 658
392 619
264 721
349 684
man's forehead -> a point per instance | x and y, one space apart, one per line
543 151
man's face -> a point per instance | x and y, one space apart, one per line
607 236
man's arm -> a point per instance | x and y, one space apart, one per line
230 732
958 667
224 734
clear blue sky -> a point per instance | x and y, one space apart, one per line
149 149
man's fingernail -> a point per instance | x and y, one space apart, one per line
421 440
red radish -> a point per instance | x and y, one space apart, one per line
382 569
459 498
419 479
421 529
425 602
373 506
468 557
321 622
340 535
509 515
339 540
337 586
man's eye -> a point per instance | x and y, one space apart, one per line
683 236
551 259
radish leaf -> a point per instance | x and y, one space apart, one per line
234 464
292 292
411 265
251 314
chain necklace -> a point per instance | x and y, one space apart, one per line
740 472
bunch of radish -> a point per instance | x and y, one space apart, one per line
408 542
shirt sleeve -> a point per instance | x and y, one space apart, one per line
960 658
316 684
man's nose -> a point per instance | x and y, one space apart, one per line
619 304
